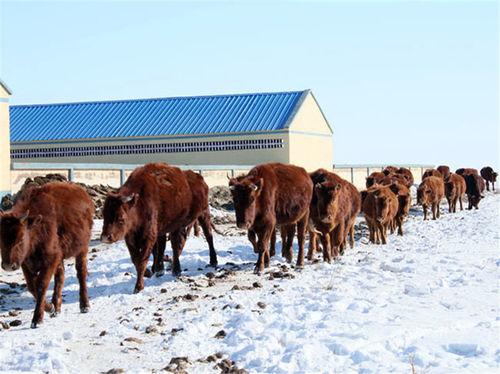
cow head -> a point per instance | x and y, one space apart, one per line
15 235
423 194
494 176
117 216
449 187
381 204
245 191
327 195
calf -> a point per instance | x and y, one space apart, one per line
474 187
430 193
432 173
444 170
454 189
374 178
465 171
47 225
489 176
380 207
404 203
269 195
390 170
334 208
407 174
157 199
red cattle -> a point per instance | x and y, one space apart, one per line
465 171
157 199
444 170
333 212
407 174
380 207
390 170
404 203
432 173
47 225
374 178
474 189
430 193
269 195
489 176
454 189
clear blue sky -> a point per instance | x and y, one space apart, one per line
400 82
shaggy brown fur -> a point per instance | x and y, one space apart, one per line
430 193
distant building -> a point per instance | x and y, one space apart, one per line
242 129
4 139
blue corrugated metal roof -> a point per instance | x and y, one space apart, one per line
153 117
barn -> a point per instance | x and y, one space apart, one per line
236 129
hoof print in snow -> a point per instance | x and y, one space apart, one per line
151 330
210 283
178 365
132 340
115 371
220 335
261 305
236 288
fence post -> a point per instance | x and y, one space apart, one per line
352 175
71 175
122 177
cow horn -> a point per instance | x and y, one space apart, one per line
232 187
228 177
254 187
317 232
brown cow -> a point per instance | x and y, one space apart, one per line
404 203
432 173
374 178
407 174
269 195
465 171
454 189
489 176
47 225
431 192
155 200
474 188
200 213
444 170
380 207
333 212
390 170
393 178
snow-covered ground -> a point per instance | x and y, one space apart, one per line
426 302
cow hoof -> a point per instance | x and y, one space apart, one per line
84 309
257 271
54 313
160 273
213 264
34 325
49 307
148 273
176 273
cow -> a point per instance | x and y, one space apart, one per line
465 171
432 173
390 170
454 189
474 188
156 199
333 212
444 170
407 174
430 193
269 195
392 178
374 178
200 213
404 203
380 207
47 225
489 176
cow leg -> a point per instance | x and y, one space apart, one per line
450 205
438 211
158 255
382 232
57 294
42 284
206 226
81 272
272 251
313 244
351 232
30 278
301 238
400 225
337 239
424 207
178 239
253 239
325 242
287 247
461 203
264 237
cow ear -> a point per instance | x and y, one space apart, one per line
258 184
34 221
130 199
337 187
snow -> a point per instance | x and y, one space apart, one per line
428 299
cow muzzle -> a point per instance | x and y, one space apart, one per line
10 267
107 239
